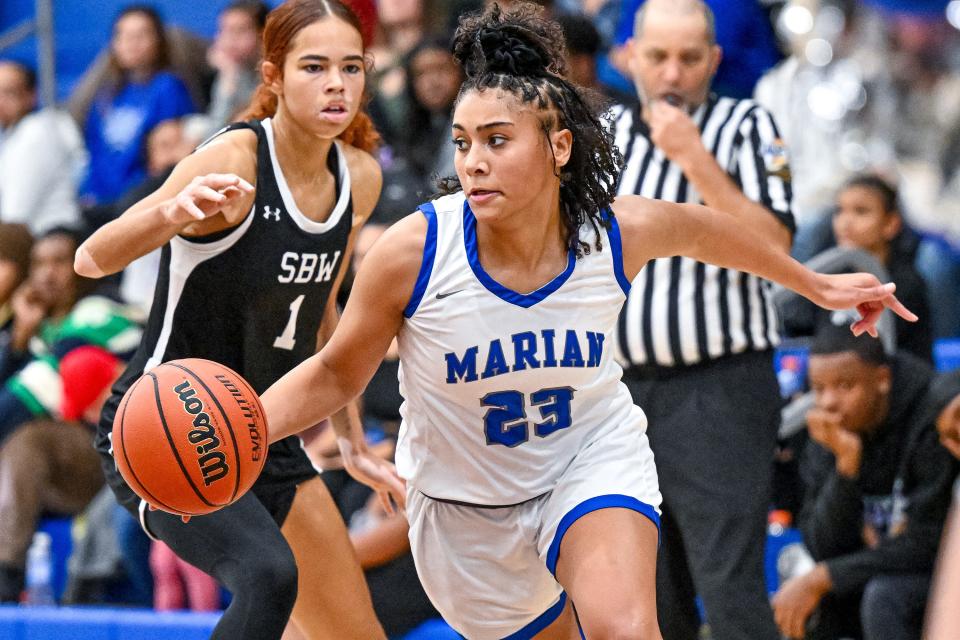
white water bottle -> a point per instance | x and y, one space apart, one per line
39 576
794 560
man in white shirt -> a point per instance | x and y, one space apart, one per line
41 156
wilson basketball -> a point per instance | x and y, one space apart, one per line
190 436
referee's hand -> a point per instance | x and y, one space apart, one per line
864 292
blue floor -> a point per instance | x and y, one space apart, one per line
83 623
90 623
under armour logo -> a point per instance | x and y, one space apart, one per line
275 213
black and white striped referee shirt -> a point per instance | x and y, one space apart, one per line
680 311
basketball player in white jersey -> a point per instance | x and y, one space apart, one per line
531 487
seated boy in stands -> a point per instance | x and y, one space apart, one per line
877 488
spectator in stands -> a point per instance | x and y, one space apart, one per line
583 47
139 93
49 466
234 55
867 217
432 82
402 27
53 314
417 147
877 492
41 155
15 244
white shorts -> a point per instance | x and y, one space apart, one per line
490 571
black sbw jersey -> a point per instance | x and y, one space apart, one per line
251 297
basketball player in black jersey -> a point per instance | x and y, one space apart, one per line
256 228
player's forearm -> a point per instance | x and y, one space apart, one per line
727 241
347 424
304 396
121 241
719 192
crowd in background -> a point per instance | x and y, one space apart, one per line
868 104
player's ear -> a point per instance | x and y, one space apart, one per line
562 143
272 77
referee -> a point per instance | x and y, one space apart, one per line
697 340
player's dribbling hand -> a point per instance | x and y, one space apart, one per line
205 196
375 472
864 292
184 519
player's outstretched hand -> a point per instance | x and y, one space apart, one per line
205 196
864 292
375 472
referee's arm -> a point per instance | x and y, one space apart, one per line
767 209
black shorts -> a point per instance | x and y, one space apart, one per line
286 467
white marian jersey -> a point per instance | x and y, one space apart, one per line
503 389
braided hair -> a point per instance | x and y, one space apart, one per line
519 52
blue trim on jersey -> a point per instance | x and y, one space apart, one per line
616 245
612 500
429 254
541 622
525 300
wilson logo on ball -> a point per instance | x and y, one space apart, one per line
212 462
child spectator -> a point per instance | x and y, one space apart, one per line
868 217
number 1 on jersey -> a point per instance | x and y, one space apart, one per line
286 340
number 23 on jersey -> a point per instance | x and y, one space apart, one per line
506 420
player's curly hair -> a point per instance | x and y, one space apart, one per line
520 52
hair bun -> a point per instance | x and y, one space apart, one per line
517 42
507 53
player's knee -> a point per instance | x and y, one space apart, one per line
630 624
277 574
270 576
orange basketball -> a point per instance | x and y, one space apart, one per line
190 436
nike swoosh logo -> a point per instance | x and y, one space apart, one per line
441 296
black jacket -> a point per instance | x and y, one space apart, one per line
902 491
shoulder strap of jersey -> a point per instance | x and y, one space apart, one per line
233 126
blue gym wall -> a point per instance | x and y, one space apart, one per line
83 28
